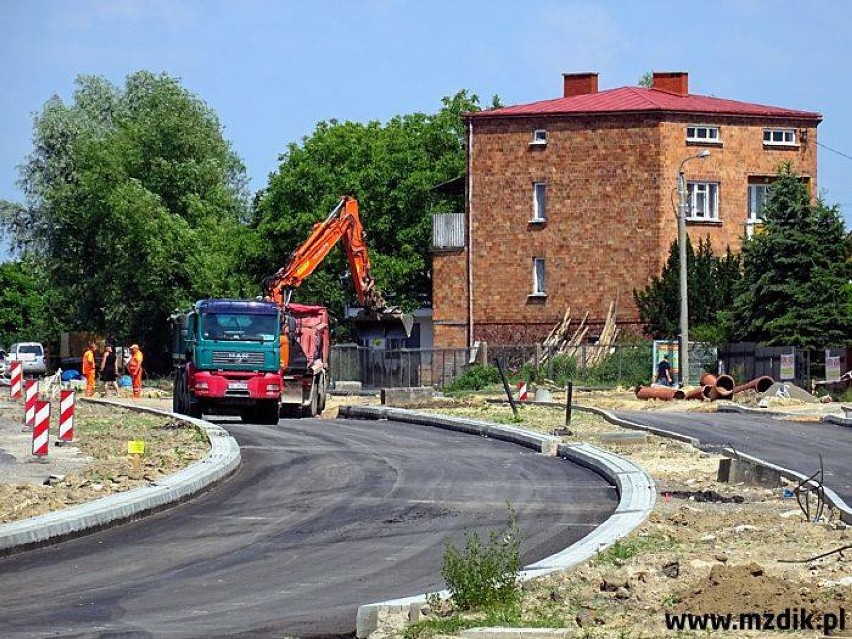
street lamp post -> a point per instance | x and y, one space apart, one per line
681 246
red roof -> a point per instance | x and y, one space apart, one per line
641 99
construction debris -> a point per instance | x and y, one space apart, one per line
563 341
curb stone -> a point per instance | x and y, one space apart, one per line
106 512
636 491
832 497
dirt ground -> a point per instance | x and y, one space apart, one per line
691 555
96 465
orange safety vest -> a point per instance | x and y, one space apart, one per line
134 366
88 362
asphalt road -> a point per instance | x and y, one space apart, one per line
322 516
791 444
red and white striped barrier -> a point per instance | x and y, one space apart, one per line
66 416
522 391
41 430
16 379
30 399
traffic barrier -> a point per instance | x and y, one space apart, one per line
16 379
66 416
522 391
41 429
30 399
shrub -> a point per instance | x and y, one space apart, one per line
483 575
476 377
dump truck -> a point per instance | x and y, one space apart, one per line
269 357
226 356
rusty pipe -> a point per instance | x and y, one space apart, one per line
708 379
760 384
724 388
706 390
696 393
659 392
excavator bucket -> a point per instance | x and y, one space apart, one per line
387 323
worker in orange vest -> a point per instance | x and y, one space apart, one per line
134 367
89 368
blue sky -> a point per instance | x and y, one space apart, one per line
271 70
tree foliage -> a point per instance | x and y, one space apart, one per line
135 204
26 305
390 168
711 283
793 292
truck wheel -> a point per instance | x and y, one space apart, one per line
193 409
249 414
268 412
323 393
312 409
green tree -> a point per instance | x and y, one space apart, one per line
391 169
647 80
135 205
795 272
26 305
711 282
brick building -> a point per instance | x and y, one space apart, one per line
571 201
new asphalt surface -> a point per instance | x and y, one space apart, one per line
321 517
792 444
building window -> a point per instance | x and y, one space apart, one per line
703 200
780 137
539 202
539 288
758 196
706 134
539 136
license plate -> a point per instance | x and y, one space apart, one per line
238 385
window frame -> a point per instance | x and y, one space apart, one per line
539 288
694 139
691 194
751 214
536 141
536 219
771 131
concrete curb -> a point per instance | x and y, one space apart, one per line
636 490
838 420
223 459
832 497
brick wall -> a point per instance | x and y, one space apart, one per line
611 195
602 232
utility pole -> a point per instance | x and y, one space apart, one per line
684 303
681 247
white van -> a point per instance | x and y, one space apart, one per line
31 354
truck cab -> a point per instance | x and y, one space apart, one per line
226 358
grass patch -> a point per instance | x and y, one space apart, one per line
624 550
498 615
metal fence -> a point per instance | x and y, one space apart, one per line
394 368
626 364
746 360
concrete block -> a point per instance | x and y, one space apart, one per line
621 437
735 471
406 396
543 395
347 386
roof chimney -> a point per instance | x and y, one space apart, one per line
579 84
676 82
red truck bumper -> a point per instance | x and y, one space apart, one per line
235 385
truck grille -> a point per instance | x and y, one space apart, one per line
223 358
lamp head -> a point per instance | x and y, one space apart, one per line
703 153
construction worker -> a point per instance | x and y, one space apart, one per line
89 368
134 367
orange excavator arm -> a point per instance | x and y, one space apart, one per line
342 223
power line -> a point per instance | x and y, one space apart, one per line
848 157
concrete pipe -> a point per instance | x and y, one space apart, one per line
706 390
659 392
724 388
760 384
708 379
